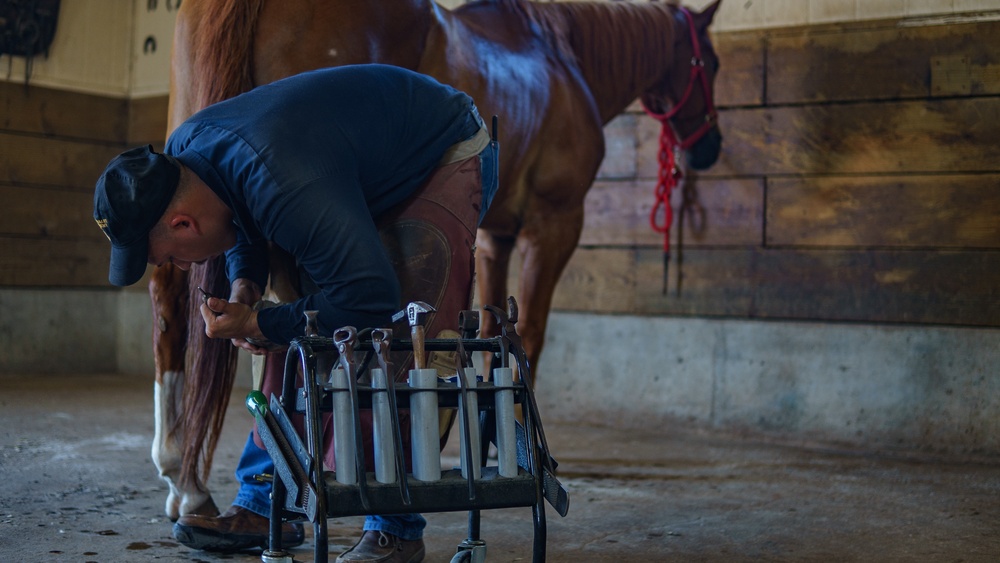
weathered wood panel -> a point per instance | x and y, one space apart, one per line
850 63
148 121
29 159
948 211
53 147
952 135
58 113
37 212
954 75
619 148
949 287
721 212
740 80
49 262
861 167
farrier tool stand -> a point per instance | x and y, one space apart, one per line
303 490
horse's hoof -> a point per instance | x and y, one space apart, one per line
172 507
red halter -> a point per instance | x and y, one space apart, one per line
670 174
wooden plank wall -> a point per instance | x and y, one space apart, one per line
53 146
860 181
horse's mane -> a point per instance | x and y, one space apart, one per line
602 38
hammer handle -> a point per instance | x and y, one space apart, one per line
417 336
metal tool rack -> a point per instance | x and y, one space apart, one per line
303 490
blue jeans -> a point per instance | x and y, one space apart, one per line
255 496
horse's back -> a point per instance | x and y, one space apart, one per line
293 36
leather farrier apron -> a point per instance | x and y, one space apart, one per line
430 240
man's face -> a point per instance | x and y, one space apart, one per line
183 237
189 244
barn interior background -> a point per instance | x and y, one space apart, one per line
840 282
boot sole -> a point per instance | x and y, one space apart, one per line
211 540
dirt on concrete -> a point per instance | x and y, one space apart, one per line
77 484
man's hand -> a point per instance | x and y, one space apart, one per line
244 291
236 321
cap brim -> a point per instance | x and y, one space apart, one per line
128 263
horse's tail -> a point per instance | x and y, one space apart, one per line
223 56
211 371
223 68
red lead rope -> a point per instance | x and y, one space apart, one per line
667 180
670 175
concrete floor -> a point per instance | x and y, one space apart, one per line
77 484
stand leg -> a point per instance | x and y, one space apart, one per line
321 550
275 552
538 515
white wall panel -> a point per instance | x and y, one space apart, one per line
154 25
89 52
99 48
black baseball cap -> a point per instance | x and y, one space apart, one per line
131 196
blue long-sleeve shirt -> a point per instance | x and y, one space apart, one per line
307 163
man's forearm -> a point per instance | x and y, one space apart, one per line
246 291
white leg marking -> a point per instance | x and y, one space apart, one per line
166 453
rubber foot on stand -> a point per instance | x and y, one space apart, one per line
276 557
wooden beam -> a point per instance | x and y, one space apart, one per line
47 212
32 262
720 212
148 121
946 211
953 135
951 287
58 113
740 80
619 147
838 63
29 159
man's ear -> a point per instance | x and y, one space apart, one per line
183 225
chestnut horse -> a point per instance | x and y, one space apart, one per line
554 73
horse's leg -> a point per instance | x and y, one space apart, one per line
545 246
166 453
168 293
168 290
492 266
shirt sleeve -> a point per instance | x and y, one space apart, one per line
247 260
328 227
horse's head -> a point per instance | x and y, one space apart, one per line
683 97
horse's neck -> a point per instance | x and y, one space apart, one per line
622 48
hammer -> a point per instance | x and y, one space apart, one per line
416 314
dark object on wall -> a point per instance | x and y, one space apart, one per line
26 29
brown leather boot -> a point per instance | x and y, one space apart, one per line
236 530
380 547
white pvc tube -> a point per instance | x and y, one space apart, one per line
385 446
425 442
474 443
344 454
506 436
